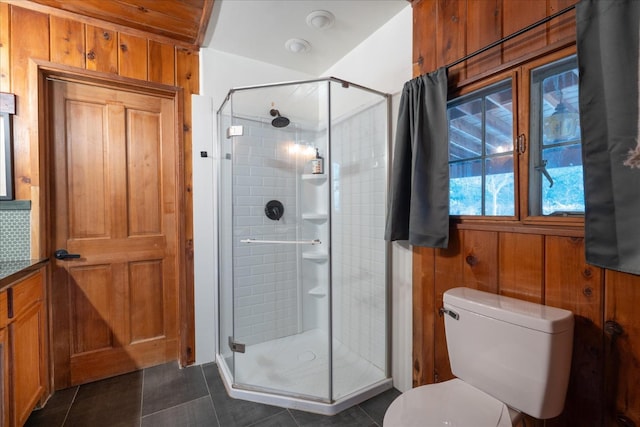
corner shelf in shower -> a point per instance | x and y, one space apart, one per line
314 177
314 216
315 256
318 291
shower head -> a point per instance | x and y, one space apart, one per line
279 121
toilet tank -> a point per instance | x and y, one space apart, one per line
517 351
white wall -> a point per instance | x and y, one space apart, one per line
382 62
219 72
205 257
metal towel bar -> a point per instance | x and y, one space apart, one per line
286 242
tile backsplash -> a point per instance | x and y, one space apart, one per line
15 230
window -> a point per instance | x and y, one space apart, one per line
555 178
514 144
481 152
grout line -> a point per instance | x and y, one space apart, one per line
367 414
271 416
181 403
173 407
142 396
294 418
66 415
215 412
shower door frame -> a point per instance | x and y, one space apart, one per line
281 396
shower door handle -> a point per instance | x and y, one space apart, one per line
289 242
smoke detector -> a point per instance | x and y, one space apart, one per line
320 19
297 45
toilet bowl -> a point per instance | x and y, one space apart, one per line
509 356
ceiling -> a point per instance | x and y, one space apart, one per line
259 29
256 29
183 20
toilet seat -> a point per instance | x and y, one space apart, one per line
451 403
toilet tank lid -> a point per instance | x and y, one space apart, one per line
527 314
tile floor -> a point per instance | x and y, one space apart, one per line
192 397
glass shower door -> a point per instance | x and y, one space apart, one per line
275 341
359 151
225 239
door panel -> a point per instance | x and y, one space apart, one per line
87 160
144 172
115 193
92 307
147 293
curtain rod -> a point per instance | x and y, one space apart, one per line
510 36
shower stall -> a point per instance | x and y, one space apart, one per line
303 281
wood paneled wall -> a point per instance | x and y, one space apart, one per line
447 30
544 265
29 31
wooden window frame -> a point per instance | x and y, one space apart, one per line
520 75
525 121
496 79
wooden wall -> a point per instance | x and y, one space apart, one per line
535 263
28 30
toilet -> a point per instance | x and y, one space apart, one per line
509 356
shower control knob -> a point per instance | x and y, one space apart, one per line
274 210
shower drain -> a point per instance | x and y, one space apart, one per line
306 356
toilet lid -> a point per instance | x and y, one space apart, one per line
452 403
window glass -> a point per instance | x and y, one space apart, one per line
555 172
481 152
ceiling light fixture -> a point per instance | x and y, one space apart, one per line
297 45
320 19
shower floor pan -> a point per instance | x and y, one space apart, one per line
297 366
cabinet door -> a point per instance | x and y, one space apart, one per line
27 361
4 378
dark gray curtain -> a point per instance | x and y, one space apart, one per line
608 61
419 199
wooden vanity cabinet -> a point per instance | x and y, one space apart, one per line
4 362
22 336
4 378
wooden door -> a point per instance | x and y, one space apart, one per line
115 203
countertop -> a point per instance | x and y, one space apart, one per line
10 271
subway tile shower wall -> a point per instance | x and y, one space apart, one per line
359 147
266 291
15 232
267 277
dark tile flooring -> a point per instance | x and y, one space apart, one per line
192 397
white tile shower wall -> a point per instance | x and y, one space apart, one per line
358 249
265 275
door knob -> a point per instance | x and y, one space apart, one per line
63 254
